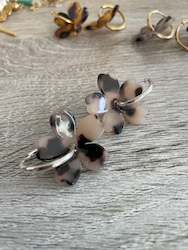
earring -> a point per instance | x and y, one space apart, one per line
178 36
70 149
70 23
106 14
6 9
116 105
63 153
164 29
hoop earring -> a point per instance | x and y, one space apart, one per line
106 13
177 34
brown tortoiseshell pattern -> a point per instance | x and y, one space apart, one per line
104 19
71 23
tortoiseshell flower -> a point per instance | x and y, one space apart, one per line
114 104
104 19
62 153
70 23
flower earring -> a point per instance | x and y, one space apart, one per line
106 14
63 153
164 29
70 149
71 23
180 27
114 104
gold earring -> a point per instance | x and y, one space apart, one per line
164 24
70 23
106 13
177 35
163 29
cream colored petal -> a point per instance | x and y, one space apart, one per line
90 127
130 89
135 117
113 122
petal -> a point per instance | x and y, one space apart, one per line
51 147
92 156
134 114
144 35
130 89
90 127
107 84
164 25
60 33
96 103
104 19
113 122
110 97
73 10
63 124
69 173
77 13
60 21
85 14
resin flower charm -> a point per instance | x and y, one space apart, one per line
114 104
104 19
62 153
163 29
70 23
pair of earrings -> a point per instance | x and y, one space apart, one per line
163 29
71 23
71 148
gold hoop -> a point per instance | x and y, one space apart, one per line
113 27
58 18
151 26
177 35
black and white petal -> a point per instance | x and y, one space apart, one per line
69 173
107 84
51 147
90 127
92 156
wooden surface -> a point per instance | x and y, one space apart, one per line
140 200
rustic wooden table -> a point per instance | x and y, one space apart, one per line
140 200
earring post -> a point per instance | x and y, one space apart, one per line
7 32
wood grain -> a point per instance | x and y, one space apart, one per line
140 200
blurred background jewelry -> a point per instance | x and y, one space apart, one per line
178 35
7 8
106 14
70 23
163 29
